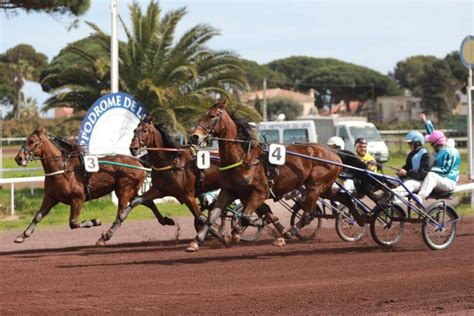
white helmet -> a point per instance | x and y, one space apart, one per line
336 141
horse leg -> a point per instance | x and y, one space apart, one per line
313 191
124 210
255 203
163 220
222 201
46 206
76 207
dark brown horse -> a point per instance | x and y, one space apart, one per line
67 182
251 179
174 170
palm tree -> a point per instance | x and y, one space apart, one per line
173 81
77 76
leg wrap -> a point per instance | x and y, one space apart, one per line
90 223
252 220
214 216
125 213
136 201
211 219
27 233
202 233
215 232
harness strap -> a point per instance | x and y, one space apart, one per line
86 175
162 168
55 173
106 162
234 165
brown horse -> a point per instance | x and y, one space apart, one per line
67 182
249 176
174 171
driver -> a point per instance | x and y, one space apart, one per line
417 164
444 174
360 145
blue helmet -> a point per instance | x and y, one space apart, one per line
415 136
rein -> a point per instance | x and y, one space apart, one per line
55 173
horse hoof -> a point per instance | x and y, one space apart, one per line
193 247
100 242
227 241
20 239
287 235
235 238
167 221
279 242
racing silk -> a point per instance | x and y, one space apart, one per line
416 158
368 157
447 163
418 164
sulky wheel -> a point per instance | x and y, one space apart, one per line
250 232
387 226
311 229
439 227
347 227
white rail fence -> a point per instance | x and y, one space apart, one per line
12 181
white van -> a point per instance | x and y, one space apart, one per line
349 128
287 132
350 131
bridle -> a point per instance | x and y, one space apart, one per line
29 154
145 143
210 131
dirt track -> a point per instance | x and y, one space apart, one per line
149 276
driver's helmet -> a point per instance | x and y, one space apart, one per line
360 141
436 138
337 142
415 136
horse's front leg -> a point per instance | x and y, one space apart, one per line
254 204
124 210
46 206
163 220
76 207
222 201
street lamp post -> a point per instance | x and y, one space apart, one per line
114 86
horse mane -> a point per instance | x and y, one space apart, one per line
245 131
168 141
65 146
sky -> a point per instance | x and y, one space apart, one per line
375 34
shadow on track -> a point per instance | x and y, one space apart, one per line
260 256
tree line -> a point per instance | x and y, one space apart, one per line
177 78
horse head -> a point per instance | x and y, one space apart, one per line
211 124
33 147
142 136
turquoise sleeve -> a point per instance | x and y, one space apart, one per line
429 127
